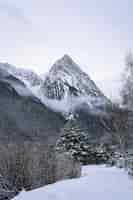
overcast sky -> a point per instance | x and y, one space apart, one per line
96 33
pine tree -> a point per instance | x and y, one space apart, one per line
76 140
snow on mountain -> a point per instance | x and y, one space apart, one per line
63 89
27 76
96 183
67 86
14 83
23 116
66 78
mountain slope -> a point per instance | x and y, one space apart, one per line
25 75
23 116
34 111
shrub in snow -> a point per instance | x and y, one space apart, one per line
120 163
129 166
115 158
66 167
7 191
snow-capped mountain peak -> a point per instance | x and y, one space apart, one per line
65 66
65 63
66 78
68 84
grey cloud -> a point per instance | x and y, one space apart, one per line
14 12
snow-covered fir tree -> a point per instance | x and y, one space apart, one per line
75 140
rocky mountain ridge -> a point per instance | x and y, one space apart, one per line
26 75
65 79
23 116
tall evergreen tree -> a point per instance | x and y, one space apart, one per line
76 140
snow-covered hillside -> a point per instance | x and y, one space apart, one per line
28 76
96 183
14 83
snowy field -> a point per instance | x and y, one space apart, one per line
96 183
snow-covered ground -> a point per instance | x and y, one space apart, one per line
96 183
